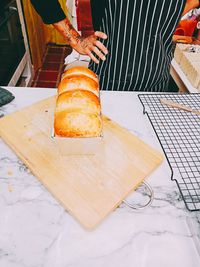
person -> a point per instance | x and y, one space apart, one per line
131 48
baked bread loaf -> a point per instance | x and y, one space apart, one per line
188 57
78 109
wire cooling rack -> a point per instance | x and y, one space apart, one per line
179 134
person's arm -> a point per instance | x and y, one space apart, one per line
86 46
190 4
52 13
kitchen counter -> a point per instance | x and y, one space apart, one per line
35 231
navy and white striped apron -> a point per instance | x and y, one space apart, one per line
139 43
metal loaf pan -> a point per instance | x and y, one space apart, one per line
78 145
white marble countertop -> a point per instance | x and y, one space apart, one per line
35 231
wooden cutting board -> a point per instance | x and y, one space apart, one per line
89 187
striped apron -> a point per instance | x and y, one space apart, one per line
139 43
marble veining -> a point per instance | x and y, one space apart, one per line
35 231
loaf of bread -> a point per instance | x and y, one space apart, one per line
78 109
188 57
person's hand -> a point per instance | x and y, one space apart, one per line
91 46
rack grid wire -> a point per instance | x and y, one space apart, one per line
178 132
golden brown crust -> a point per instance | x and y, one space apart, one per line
78 99
76 124
78 82
78 114
78 110
80 70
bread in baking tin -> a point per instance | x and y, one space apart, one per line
78 109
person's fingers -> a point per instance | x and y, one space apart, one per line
98 53
101 35
92 47
101 47
89 53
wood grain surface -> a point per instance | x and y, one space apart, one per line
88 186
